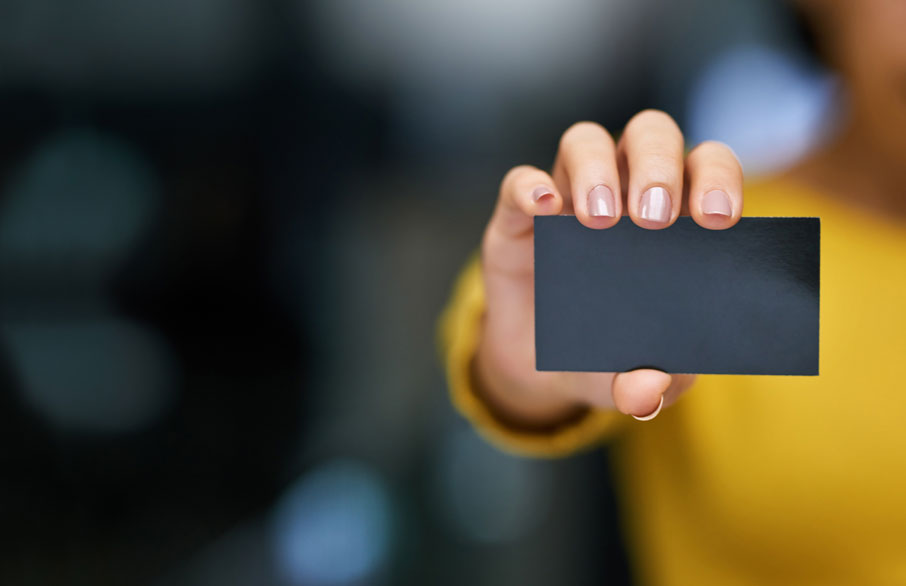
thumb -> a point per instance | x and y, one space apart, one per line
641 393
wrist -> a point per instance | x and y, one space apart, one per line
518 403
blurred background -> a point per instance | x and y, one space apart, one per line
227 228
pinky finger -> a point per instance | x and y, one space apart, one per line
525 192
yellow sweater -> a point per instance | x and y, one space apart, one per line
760 479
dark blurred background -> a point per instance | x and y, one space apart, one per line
227 228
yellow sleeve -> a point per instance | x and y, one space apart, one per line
459 330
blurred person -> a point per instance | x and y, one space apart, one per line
743 479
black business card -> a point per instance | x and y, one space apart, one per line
684 299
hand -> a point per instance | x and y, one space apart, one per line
646 176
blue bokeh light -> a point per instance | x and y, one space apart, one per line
770 106
333 526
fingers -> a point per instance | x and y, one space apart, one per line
642 393
714 184
651 149
586 170
525 192
648 169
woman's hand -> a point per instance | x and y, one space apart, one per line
645 176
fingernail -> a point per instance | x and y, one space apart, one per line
656 205
717 203
541 192
600 202
651 415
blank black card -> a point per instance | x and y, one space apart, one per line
683 299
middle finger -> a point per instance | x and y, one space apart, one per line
651 149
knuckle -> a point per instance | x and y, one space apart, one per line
513 175
715 149
652 118
716 156
659 164
581 131
659 159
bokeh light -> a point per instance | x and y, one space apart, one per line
503 42
76 208
334 526
103 375
769 105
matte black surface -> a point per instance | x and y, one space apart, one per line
683 299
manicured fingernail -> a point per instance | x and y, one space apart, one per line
542 192
600 202
717 203
656 205
651 415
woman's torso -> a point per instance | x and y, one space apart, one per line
753 480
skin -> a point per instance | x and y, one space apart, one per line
864 164
650 153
